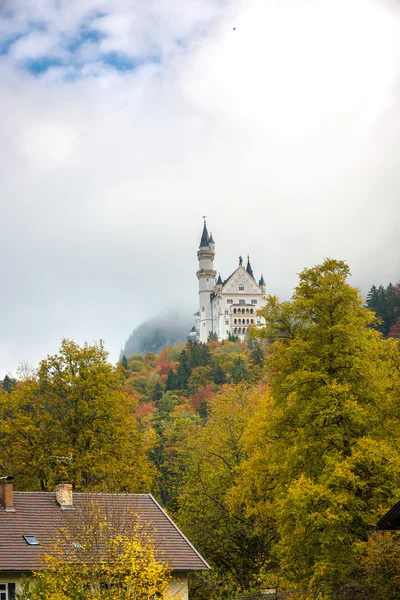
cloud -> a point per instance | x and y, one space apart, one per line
285 132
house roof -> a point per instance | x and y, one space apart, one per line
391 520
39 514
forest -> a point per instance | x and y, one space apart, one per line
276 457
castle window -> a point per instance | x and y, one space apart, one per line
252 321
254 301
243 311
243 301
226 322
203 308
235 321
229 301
234 311
247 321
251 311
247 311
235 330
241 288
258 321
226 311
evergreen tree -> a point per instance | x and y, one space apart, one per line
239 370
219 375
124 362
8 384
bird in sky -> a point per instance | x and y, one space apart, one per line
234 28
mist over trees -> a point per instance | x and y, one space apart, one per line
160 332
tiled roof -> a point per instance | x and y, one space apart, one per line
391 520
39 514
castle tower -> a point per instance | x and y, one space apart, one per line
206 276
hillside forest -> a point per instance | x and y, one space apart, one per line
276 457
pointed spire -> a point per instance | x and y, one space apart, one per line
204 237
210 240
219 282
261 282
248 268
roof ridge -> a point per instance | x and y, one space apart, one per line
179 531
86 493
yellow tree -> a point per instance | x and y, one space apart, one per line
73 422
208 512
100 554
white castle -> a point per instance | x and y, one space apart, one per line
226 308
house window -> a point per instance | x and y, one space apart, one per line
243 301
31 540
7 591
230 301
241 288
254 301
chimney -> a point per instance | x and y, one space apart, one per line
64 495
6 492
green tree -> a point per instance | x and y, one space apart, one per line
124 362
328 452
74 423
239 370
8 384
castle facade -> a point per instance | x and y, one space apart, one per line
226 308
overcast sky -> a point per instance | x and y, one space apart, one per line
124 121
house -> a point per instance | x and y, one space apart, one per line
30 520
391 520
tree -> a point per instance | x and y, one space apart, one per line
217 524
328 454
239 370
124 362
377 567
212 337
96 556
72 422
8 384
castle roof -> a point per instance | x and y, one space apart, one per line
261 282
204 237
211 240
219 282
248 268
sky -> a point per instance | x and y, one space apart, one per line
124 121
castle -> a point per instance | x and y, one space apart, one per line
226 308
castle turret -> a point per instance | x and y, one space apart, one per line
261 283
248 268
206 276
